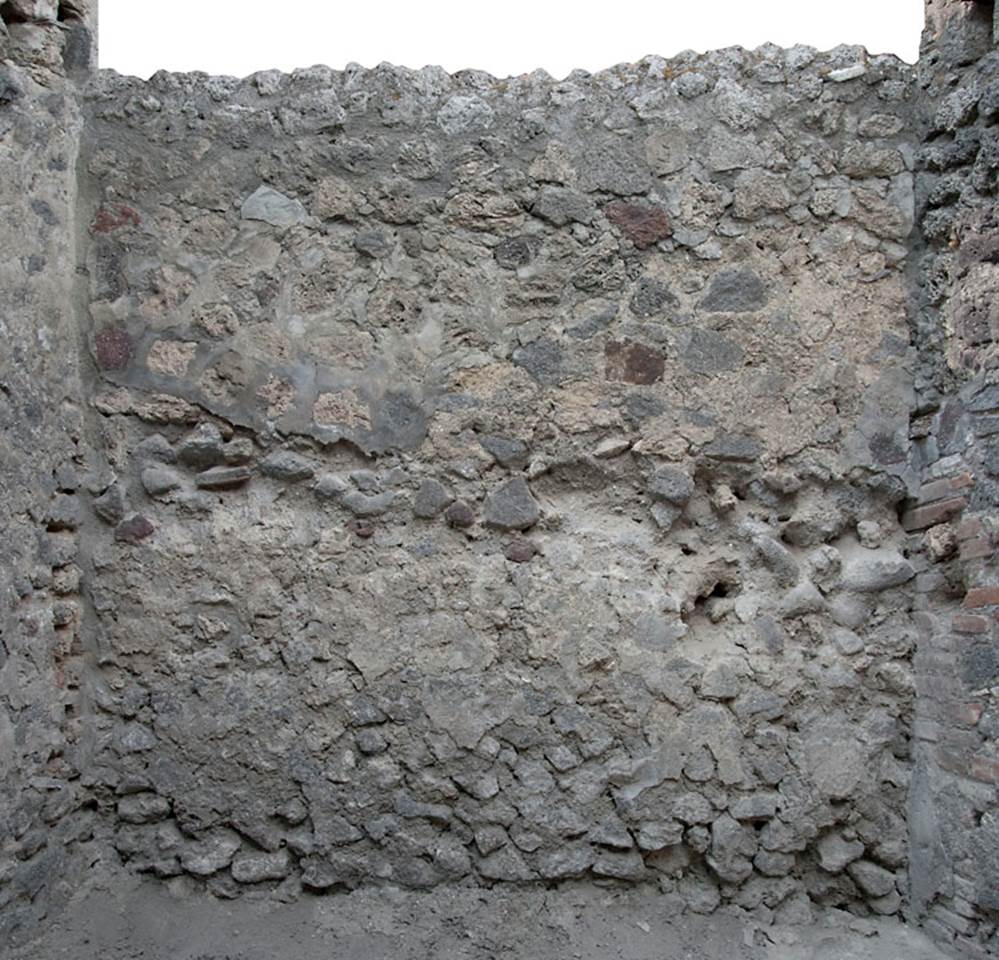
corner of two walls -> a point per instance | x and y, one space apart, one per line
46 816
953 819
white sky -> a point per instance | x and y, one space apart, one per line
504 37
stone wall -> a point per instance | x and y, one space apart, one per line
953 521
45 811
507 476
476 480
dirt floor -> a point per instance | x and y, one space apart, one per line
120 918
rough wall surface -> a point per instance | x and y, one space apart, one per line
522 480
44 811
507 476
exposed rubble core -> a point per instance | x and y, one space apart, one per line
421 479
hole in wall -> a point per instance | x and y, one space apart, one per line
69 11
10 14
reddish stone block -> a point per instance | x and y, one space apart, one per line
113 347
982 597
929 516
642 224
113 218
633 362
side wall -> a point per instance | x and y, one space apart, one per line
43 465
954 523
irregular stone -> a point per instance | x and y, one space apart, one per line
134 530
876 571
652 298
431 499
568 860
733 447
158 481
223 478
758 192
542 359
734 291
210 854
258 867
465 113
619 865
754 806
836 854
611 447
517 252
460 514
110 505
505 864
509 453
287 466
562 205
778 558
143 808
512 506
707 351
269 206
520 551
874 880
657 835
732 848
330 487
363 505
802 600
203 447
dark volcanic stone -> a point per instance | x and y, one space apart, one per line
512 506
707 351
735 291
653 298
542 359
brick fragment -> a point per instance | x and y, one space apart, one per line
985 769
947 487
969 623
976 548
982 597
920 518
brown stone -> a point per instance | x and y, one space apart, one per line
520 551
113 347
642 224
460 514
633 362
134 529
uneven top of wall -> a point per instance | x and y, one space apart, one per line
417 210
